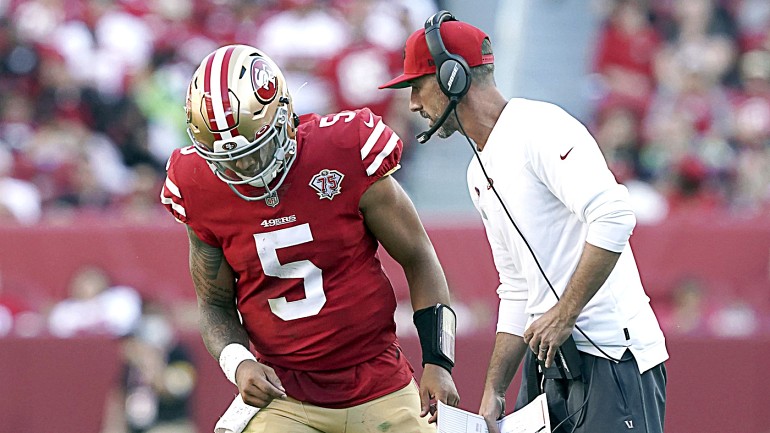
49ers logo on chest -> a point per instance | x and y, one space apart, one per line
264 81
327 183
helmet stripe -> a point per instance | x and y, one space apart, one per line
207 97
219 70
225 93
218 107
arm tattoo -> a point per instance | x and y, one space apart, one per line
215 287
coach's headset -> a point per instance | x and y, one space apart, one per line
452 71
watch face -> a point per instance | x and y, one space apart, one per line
447 325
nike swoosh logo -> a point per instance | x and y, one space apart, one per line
370 123
563 157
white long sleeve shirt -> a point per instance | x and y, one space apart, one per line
554 181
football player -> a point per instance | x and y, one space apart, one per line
285 215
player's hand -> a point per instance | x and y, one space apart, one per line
546 334
258 383
436 384
492 408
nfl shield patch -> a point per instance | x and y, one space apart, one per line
272 200
327 183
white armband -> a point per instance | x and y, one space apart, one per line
231 357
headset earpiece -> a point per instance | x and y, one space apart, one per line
452 71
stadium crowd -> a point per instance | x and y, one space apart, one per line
90 92
685 100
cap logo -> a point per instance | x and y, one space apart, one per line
264 81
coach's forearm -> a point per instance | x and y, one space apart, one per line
506 357
594 267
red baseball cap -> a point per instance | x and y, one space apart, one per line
459 38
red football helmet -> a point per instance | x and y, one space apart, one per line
240 119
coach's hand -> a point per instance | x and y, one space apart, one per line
436 384
258 383
492 408
546 334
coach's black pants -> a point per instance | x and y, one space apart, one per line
610 397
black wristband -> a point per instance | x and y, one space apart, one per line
430 328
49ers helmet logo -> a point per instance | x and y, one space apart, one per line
264 81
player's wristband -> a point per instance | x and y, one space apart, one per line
231 357
436 328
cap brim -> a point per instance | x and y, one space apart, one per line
403 80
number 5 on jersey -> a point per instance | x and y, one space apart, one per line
311 275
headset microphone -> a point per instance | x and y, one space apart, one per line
423 137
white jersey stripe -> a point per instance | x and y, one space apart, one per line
175 206
172 188
216 93
384 154
372 140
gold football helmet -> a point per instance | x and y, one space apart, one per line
241 121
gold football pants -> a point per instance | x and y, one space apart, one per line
397 412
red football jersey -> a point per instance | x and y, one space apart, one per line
310 287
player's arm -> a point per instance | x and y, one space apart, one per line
391 217
214 283
220 326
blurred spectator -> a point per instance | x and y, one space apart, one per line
19 200
691 189
700 26
695 309
626 49
17 317
157 381
356 70
735 319
158 91
95 307
649 205
751 105
139 204
617 133
688 309
753 19
298 38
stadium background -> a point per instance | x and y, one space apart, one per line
676 92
